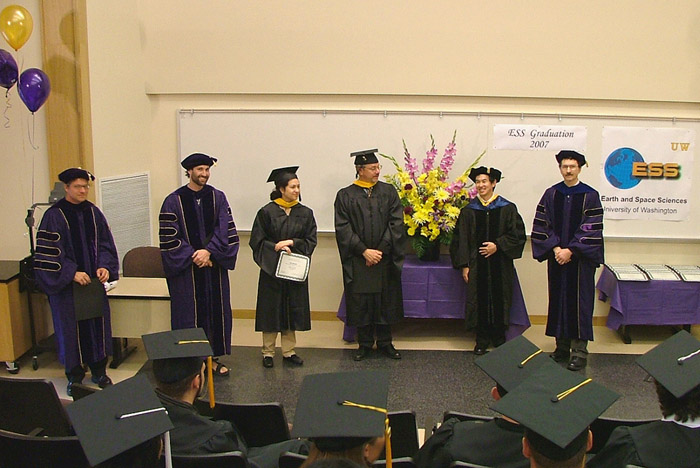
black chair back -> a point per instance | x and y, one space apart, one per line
400 462
22 451
259 424
144 262
404 434
211 460
32 406
79 391
465 416
602 428
291 460
461 464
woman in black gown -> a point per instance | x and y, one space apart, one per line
284 224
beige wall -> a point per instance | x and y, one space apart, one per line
25 166
150 58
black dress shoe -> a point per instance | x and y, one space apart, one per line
69 389
293 360
390 351
576 363
268 362
480 350
362 353
102 381
560 355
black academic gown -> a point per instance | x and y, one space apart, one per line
490 287
282 304
371 218
660 444
495 443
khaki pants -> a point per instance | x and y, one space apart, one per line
289 341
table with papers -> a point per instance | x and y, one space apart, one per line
646 294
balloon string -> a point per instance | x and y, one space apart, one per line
30 134
8 106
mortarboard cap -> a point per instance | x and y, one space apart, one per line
492 172
280 171
178 353
675 363
557 405
198 159
321 415
365 157
569 154
69 175
118 418
513 362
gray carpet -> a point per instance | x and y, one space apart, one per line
427 382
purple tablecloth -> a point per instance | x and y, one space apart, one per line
436 290
653 302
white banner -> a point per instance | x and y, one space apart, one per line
647 172
539 137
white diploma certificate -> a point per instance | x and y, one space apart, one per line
293 267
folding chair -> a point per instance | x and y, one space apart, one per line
461 464
143 262
602 428
211 460
79 391
291 460
404 433
465 416
400 462
259 424
22 451
32 407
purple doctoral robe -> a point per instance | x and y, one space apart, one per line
570 217
74 238
199 297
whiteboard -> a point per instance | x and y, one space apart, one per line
250 143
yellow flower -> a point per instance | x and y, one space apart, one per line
442 194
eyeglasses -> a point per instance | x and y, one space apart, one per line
81 187
376 168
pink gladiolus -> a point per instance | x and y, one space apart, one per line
430 155
411 163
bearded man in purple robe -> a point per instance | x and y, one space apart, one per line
199 244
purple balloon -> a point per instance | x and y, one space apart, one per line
8 70
34 88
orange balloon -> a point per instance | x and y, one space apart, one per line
16 25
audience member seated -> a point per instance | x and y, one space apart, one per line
345 417
178 367
121 426
556 407
675 439
497 442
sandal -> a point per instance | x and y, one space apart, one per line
217 369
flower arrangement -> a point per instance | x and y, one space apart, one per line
431 202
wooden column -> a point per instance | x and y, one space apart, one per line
65 55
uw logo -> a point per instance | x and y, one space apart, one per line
676 144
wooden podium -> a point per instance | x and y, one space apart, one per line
15 333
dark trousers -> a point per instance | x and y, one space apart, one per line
578 348
98 369
365 335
